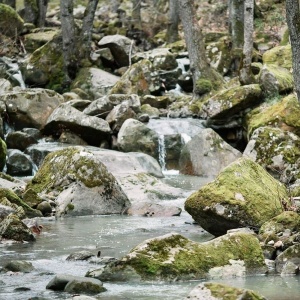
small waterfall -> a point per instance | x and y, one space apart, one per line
162 152
183 64
13 71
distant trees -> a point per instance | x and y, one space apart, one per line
293 21
172 29
194 39
76 42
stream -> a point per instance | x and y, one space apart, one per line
114 236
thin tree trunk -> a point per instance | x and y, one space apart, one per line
42 8
68 35
136 21
172 30
293 21
246 76
195 43
236 22
87 27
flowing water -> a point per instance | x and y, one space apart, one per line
114 236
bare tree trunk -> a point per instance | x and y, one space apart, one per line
293 21
136 21
172 30
87 27
68 35
42 8
195 44
236 22
246 76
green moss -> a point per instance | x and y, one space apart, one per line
13 198
71 164
11 23
258 200
203 86
175 256
284 114
70 206
286 220
280 55
226 292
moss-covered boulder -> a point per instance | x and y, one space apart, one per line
290 255
73 172
3 153
44 67
11 24
206 154
280 228
283 113
173 256
280 56
14 199
220 55
12 228
276 150
275 80
229 104
219 291
243 194
35 40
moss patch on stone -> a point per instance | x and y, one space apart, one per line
60 168
284 114
280 55
11 24
13 198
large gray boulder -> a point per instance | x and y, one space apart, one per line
65 117
75 284
18 163
134 136
242 195
206 154
30 107
275 80
119 114
227 105
103 105
94 82
121 47
173 256
73 172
